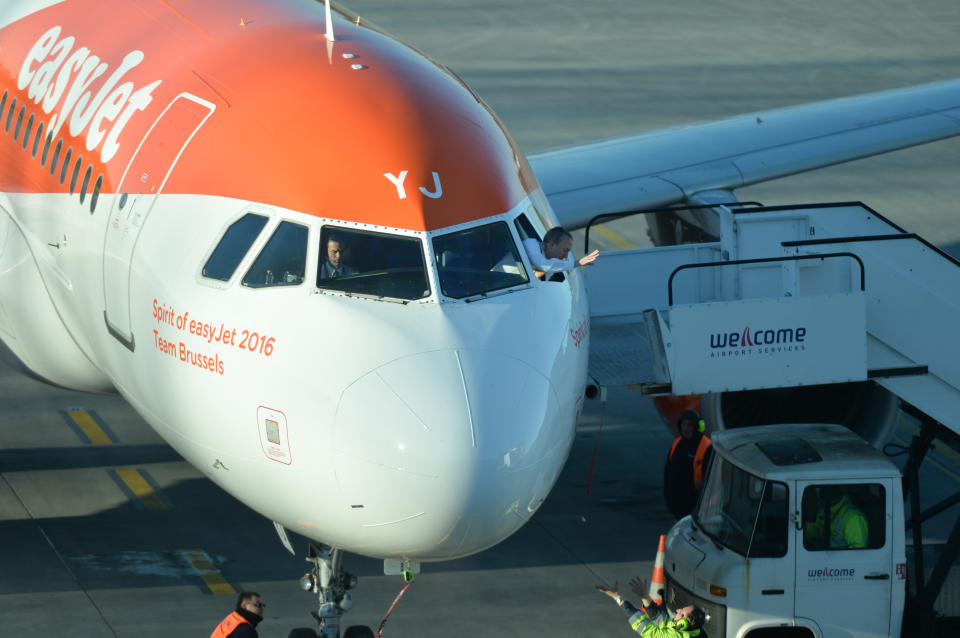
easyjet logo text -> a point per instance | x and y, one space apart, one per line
76 86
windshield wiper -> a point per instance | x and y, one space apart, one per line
495 293
716 543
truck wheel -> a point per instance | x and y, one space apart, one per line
358 631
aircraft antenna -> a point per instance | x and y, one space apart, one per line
329 33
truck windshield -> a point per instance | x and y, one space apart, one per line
743 512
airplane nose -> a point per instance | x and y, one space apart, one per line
460 446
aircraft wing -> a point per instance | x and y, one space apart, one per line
666 166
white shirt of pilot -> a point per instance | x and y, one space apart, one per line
544 264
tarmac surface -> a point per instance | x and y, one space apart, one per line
105 532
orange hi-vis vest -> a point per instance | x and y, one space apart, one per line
228 624
702 447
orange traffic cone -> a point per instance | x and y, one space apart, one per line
657 583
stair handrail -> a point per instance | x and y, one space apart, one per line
736 262
666 209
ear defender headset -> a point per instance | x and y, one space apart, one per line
696 621
695 417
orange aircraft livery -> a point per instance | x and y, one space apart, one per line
384 135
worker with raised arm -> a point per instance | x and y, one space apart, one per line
652 621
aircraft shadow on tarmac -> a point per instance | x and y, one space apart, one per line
58 458
128 546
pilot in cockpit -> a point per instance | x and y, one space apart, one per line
333 265
552 256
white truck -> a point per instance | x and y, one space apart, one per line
768 553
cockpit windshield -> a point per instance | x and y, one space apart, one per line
375 264
478 260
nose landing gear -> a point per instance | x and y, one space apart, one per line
331 583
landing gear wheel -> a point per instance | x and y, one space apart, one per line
358 631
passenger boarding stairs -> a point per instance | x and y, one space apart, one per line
789 296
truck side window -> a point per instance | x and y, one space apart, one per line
844 516
282 261
233 246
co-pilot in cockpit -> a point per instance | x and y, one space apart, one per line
334 261
380 264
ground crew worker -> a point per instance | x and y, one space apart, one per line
242 621
848 525
651 620
686 463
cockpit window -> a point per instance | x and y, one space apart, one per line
525 229
283 261
478 260
373 264
233 246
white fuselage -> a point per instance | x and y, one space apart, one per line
429 429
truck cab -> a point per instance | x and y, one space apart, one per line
798 532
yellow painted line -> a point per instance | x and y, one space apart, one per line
613 237
202 564
89 427
141 489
